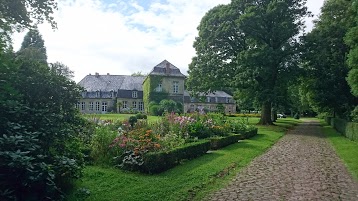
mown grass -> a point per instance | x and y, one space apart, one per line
346 149
191 180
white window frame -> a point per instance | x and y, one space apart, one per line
90 107
104 106
83 106
97 106
159 87
134 94
140 106
134 104
124 104
175 87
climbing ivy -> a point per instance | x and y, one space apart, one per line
149 93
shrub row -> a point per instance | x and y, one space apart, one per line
348 129
244 115
155 162
219 142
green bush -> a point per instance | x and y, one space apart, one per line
348 129
132 120
101 152
219 142
155 162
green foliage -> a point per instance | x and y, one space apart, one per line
20 14
149 93
220 142
40 145
132 120
325 56
33 47
191 180
351 39
296 116
256 41
156 162
101 152
348 129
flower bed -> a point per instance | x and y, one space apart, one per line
156 147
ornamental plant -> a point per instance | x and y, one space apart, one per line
134 145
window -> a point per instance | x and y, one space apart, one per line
104 106
216 99
140 106
159 88
83 106
175 87
98 94
208 99
90 108
134 104
227 100
97 106
124 105
134 94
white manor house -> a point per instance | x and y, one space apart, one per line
124 93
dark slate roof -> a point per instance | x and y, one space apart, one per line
111 82
166 68
214 94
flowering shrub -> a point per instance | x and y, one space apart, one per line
134 144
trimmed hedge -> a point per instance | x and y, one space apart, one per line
348 129
155 162
219 142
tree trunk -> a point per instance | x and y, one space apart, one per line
266 114
273 114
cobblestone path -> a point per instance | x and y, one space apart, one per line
301 166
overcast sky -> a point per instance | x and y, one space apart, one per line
127 36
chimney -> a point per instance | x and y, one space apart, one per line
107 73
97 75
167 68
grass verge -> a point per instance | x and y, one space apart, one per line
191 180
346 149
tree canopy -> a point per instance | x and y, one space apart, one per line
325 60
251 45
20 14
33 47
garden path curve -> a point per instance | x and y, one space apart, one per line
301 166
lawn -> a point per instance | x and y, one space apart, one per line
346 149
191 180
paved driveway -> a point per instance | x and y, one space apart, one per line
301 166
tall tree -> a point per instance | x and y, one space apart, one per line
61 69
33 47
325 60
251 45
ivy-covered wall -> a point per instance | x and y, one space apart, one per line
149 95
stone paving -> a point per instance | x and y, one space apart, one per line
301 166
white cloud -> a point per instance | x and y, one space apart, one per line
123 37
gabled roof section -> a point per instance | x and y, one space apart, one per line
218 94
166 68
111 82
